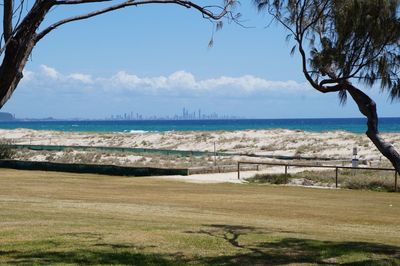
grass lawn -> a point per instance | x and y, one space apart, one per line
63 218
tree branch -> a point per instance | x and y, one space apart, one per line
319 87
76 2
7 19
188 4
368 108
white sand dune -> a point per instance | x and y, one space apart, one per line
332 144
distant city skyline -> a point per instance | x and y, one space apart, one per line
186 114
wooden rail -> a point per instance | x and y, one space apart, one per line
286 165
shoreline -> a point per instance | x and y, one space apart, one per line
350 125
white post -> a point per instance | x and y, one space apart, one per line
215 155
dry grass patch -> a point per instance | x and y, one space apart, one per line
347 178
63 218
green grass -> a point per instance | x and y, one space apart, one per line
274 179
63 218
6 152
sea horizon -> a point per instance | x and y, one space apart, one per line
355 125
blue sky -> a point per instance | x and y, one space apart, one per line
155 60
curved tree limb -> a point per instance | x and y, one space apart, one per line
299 33
188 4
76 2
368 108
321 86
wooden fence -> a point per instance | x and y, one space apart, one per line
287 165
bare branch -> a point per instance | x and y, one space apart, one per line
7 19
76 2
188 4
21 9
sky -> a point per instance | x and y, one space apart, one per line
155 60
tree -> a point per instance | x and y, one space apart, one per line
346 42
21 33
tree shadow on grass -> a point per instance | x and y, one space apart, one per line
86 235
120 254
274 252
229 233
295 251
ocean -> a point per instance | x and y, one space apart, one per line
356 125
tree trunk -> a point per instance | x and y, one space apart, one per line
368 108
14 62
19 48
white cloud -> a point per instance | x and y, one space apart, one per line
177 83
249 83
87 79
124 79
182 80
179 79
28 75
49 72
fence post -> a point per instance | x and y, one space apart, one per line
395 180
336 177
286 169
215 155
238 169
